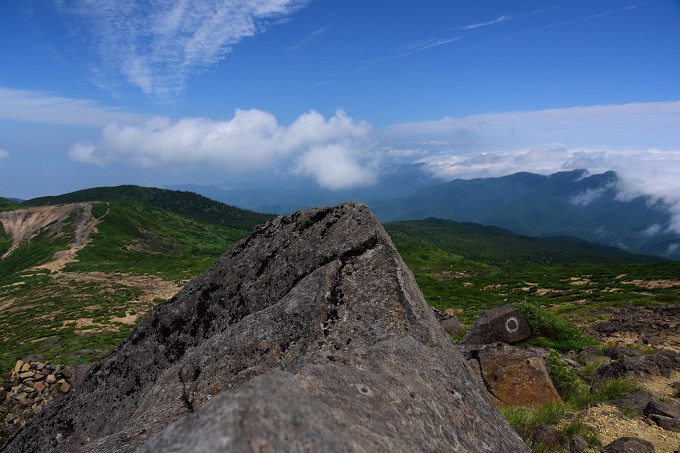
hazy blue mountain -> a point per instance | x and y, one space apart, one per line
282 196
563 204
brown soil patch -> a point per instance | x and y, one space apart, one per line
651 284
152 287
128 319
450 275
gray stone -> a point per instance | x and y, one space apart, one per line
545 435
577 444
636 401
633 368
504 324
309 335
667 423
629 445
622 352
667 408
452 325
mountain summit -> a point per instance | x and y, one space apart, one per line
309 335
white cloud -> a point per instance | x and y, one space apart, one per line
498 20
335 167
334 152
588 196
652 124
639 141
38 106
156 44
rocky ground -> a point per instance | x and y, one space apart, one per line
646 329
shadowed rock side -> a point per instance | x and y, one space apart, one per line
311 334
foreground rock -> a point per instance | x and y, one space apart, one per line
311 334
512 376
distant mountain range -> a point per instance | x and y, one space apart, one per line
563 204
570 203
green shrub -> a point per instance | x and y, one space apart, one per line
564 377
577 428
524 420
550 331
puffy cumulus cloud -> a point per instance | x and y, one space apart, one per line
156 44
335 151
335 167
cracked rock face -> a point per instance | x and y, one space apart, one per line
309 335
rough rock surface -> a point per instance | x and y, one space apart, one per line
504 324
310 334
629 445
512 375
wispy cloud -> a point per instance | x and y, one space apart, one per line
333 152
311 36
156 45
38 106
498 20
651 124
4 154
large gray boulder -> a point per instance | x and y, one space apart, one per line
309 335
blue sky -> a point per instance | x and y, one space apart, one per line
337 93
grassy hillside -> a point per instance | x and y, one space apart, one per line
187 204
8 205
471 268
497 246
83 311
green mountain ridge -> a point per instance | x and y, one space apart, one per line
188 204
499 246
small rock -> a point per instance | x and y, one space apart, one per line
546 435
67 373
452 325
636 401
64 387
629 445
606 327
577 444
26 375
634 368
667 408
667 423
622 352
51 379
39 387
18 366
